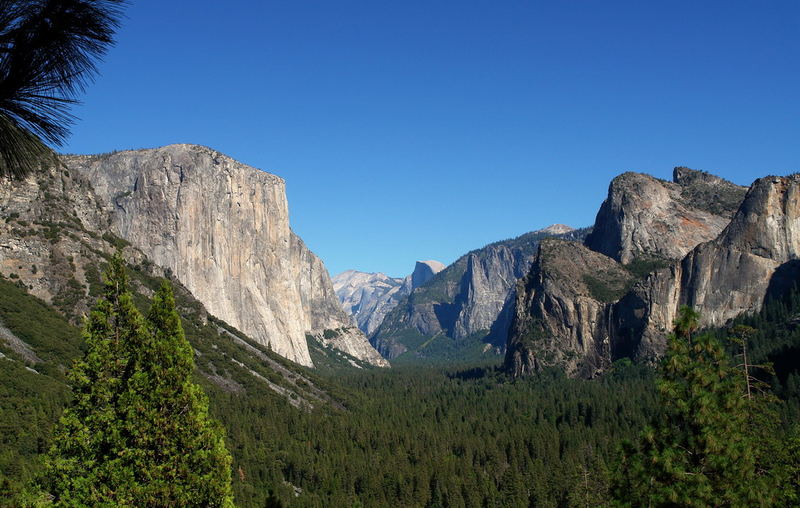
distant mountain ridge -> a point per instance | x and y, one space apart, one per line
463 311
368 297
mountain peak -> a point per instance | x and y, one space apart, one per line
556 229
424 271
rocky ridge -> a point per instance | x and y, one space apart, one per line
647 217
424 271
218 226
755 257
731 272
368 297
466 308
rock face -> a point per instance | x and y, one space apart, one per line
647 217
47 238
464 308
755 255
222 228
560 316
485 288
368 297
424 271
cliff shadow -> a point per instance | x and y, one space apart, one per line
783 279
446 314
498 332
626 323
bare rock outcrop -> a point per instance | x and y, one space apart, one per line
753 257
222 228
424 271
485 288
368 297
560 316
651 218
468 303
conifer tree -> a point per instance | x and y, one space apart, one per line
138 431
703 449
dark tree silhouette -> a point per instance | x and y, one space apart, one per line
48 54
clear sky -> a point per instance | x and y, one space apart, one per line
413 129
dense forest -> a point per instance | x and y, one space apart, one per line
409 436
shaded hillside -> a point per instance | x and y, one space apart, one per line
38 344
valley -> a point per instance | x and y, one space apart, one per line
410 254
503 377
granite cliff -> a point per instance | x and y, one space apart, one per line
368 297
647 217
559 317
219 227
677 255
464 310
424 271
755 257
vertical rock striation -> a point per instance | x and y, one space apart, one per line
584 314
560 316
222 228
754 257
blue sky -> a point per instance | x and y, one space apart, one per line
424 129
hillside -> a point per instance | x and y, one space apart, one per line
218 226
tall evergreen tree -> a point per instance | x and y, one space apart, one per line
138 432
703 450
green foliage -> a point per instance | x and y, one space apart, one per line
686 323
328 360
641 266
117 242
715 198
610 286
418 436
408 436
48 57
137 432
711 445
604 290
38 325
443 350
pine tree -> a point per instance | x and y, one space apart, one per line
137 432
703 449
48 54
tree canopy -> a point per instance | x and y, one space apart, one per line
715 443
137 432
48 53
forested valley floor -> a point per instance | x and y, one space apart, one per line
408 436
